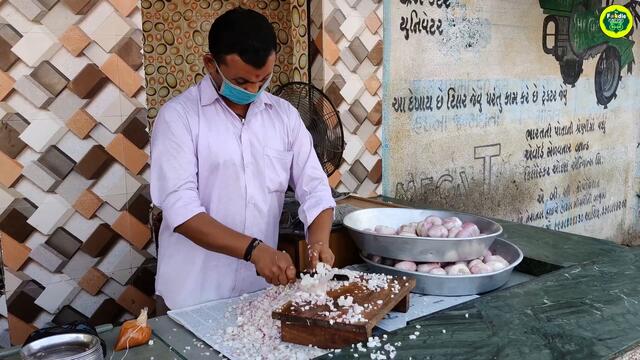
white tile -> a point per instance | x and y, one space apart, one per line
75 147
107 213
348 121
112 31
21 105
42 275
12 280
41 176
66 104
59 18
35 239
369 160
146 173
111 107
3 306
368 39
43 133
72 186
353 149
136 18
19 69
112 289
352 89
121 262
366 188
35 46
368 101
68 64
365 130
31 9
366 69
33 91
379 11
352 26
43 320
96 16
57 295
349 181
27 156
79 265
7 196
87 304
96 54
365 7
31 191
81 227
48 258
102 135
116 186
53 212
15 18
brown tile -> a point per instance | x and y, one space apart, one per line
88 81
338 80
375 175
134 300
136 132
333 93
92 281
65 243
358 171
373 143
9 36
130 52
127 153
334 179
375 55
100 241
14 254
50 78
10 143
81 123
16 121
330 51
10 170
19 330
144 278
75 40
79 7
59 163
358 111
134 231
68 314
124 7
122 75
372 84
358 49
94 163
87 203
332 28
375 115
22 302
373 22
6 84
107 313
139 206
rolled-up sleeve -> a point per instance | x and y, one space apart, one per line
174 181
308 180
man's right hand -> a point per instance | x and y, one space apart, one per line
275 266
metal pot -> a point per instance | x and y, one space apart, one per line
72 346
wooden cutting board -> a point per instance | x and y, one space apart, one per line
309 327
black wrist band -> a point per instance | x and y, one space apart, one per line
249 250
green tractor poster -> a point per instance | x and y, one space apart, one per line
575 31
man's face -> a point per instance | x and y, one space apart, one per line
240 73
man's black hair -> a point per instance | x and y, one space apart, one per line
244 32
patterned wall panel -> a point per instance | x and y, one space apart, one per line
73 164
346 53
176 37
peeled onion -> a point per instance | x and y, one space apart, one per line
453 232
406 265
452 222
496 265
384 230
496 258
427 267
480 268
438 231
433 220
474 262
423 228
472 227
464 233
458 269
438 271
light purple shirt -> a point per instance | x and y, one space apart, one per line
204 159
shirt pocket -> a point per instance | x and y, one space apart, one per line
277 169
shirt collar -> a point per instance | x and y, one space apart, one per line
209 94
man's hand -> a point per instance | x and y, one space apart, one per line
320 252
275 266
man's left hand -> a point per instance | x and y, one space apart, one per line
320 252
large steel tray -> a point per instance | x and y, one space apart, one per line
423 249
448 285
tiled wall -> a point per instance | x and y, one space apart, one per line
176 35
73 164
346 54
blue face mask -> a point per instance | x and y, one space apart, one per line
237 94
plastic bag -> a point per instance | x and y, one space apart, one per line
134 332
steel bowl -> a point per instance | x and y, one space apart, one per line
75 346
423 249
448 285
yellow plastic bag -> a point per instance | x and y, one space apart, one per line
134 332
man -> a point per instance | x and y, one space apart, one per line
223 153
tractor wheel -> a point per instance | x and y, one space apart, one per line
607 75
571 69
